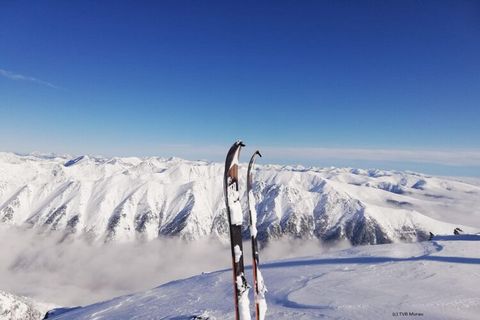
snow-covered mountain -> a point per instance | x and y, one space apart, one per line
14 307
124 199
436 279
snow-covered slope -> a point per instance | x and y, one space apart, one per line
123 199
434 280
13 307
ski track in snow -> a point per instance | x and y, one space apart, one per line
437 279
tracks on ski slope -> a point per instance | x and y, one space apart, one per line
437 278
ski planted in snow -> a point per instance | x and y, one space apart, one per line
258 283
235 220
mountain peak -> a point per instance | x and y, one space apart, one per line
129 199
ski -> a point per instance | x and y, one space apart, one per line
235 220
258 283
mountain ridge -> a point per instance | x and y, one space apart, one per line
13 307
129 199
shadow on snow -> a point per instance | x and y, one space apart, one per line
377 260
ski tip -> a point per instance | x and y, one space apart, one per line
240 143
258 152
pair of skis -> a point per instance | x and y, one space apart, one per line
235 220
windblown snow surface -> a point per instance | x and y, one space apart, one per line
437 279
128 199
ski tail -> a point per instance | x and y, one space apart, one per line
235 219
258 282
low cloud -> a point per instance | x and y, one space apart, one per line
78 273
18 77
404 158
460 157
444 157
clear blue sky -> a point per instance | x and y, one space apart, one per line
164 77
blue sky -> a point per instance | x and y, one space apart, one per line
187 78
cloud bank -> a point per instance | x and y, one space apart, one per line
460 157
444 157
78 273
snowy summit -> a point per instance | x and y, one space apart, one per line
128 199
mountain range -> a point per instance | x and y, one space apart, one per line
129 199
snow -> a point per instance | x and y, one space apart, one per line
238 253
14 307
243 300
136 199
260 298
236 214
130 199
438 279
